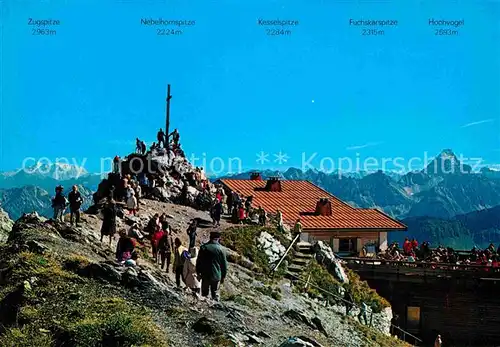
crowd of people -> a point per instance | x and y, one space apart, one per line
412 252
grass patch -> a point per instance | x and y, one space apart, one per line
373 336
61 308
274 293
359 289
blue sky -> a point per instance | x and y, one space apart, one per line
100 82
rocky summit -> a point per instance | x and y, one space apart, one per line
60 286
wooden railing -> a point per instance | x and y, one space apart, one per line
286 253
427 267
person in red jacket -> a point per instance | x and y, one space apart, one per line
414 244
155 240
407 246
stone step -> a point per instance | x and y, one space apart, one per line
305 250
295 268
301 261
301 255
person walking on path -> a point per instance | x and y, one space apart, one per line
165 247
362 313
211 266
75 202
155 242
189 273
178 261
132 203
191 231
216 213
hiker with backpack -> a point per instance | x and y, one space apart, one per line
75 202
211 266
178 261
59 204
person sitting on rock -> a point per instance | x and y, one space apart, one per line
135 232
75 202
132 203
362 313
125 248
160 136
211 266
155 240
59 204
165 247
189 272
191 231
178 261
108 227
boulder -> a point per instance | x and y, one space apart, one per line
271 247
5 225
325 256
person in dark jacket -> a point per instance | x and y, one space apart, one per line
348 301
75 202
211 266
165 247
143 148
108 227
59 204
191 231
216 213
161 138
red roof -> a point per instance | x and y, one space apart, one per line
301 196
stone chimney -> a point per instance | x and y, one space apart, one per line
323 207
273 184
255 176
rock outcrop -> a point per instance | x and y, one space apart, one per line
325 256
5 225
63 283
176 180
271 247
